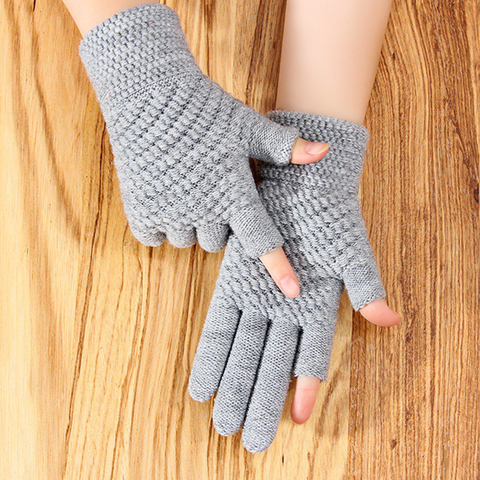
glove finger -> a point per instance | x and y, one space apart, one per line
239 376
316 337
150 238
270 390
315 349
361 276
182 238
213 349
255 229
270 141
213 238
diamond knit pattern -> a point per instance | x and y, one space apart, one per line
254 337
181 143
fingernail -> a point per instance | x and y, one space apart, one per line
289 286
314 148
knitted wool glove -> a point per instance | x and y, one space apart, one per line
254 337
181 143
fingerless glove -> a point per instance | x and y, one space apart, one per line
254 337
181 143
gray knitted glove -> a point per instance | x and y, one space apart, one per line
254 337
181 143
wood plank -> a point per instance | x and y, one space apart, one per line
98 332
414 397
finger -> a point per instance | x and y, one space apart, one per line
306 390
270 390
315 347
254 228
182 238
239 376
363 284
212 238
305 152
281 271
361 276
151 238
213 350
314 350
270 141
379 313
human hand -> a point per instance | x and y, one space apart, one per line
254 338
181 143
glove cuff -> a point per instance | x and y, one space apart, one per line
134 49
340 169
322 128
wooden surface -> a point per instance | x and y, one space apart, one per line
98 333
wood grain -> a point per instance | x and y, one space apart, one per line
98 333
414 395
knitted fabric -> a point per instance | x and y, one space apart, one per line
254 337
181 143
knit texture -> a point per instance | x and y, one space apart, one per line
181 143
254 337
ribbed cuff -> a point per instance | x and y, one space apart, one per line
133 49
341 134
340 169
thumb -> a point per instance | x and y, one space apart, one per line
270 141
305 152
363 282
379 313
360 276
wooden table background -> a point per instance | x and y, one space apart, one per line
98 333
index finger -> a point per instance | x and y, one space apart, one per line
281 271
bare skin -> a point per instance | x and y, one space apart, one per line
89 13
336 47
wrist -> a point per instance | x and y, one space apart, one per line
133 49
339 133
89 13
339 171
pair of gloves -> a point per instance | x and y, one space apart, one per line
181 146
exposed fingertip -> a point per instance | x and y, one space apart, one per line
304 399
305 152
316 148
392 317
379 313
289 286
398 317
281 271
298 415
